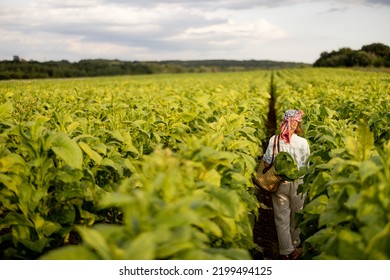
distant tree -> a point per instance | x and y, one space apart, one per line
377 55
377 49
23 69
361 58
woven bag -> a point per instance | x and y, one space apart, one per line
266 177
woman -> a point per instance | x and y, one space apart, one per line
286 201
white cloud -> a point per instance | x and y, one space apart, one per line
167 29
259 29
168 26
230 35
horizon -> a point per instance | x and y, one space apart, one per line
150 61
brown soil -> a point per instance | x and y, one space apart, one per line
264 232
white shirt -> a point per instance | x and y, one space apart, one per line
298 149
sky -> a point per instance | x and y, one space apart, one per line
146 30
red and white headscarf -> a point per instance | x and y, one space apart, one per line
290 123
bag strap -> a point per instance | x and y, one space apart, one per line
273 149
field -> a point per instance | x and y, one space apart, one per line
159 167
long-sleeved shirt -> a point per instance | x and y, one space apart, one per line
298 148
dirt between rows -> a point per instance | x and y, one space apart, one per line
264 232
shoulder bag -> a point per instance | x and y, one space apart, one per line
266 177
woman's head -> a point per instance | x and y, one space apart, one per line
291 123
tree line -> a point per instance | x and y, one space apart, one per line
373 55
18 68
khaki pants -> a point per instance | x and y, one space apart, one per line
286 202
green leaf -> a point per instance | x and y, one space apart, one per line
44 228
286 167
142 247
229 254
14 218
210 227
116 199
128 144
333 214
370 231
13 163
6 110
72 126
12 182
91 153
367 169
319 185
317 205
112 231
370 212
378 248
212 176
227 225
93 239
70 253
351 246
174 248
68 175
66 149
173 243
223 200
35 245
362 145
113 165
115 136
199 254
100 148
172 220
320 238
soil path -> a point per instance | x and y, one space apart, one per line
264 232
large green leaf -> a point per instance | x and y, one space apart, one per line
362 145
367 169
317 205
91 153
351 246
13 163
378 248
44 227
66 149
14 218
94 240
142 247
6 110
223 200
286 167
334 214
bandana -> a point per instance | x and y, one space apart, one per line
289 124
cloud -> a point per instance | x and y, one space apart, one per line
200 4
334 10
85 26
142 29
235 4
381 2
260 29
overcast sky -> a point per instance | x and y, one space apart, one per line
280 30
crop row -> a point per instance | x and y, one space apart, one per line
159 167
130 167
347 123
